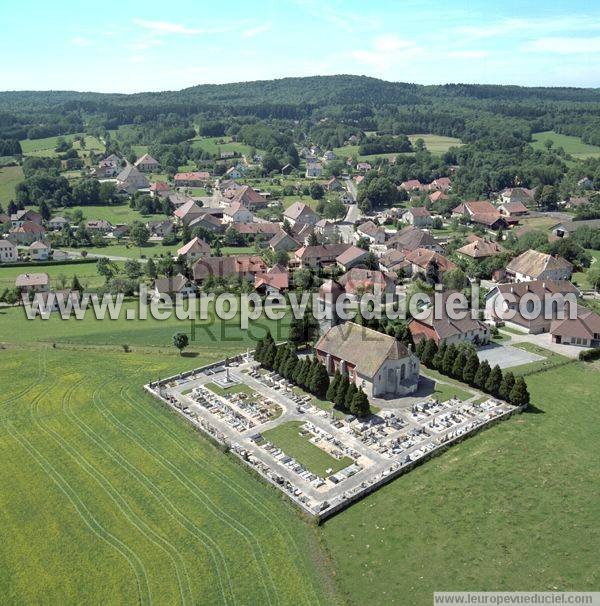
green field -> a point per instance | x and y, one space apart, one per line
436 144
572 145
46 146
86 272
515 506
122 213
109 498
9 177
212 146
286 436
581 277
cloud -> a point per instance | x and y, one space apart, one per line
564 45
468 54
255 31
166 28
520 25
80 41
388 50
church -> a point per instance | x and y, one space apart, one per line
378 363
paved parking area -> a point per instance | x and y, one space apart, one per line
507 356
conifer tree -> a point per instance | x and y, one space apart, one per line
350 393
449 357
333 386
508 381
492 385
519 394
360 404
471 368
459 365
482 374
429 352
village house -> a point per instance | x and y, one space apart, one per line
25 216
109 167
567 228
576 202
159 188
535 265
422 259
436 196
191 179
27 233
236 213
395 262
363 167
351 257
99 226
411 185
313 170
160 229
440 184
207 221
299 212
584 330
503 304
178 199
437 325
259 229
517 194
480 248
318 256
328 156
282 241
233 172
327 231
411 238
147 164
195 249
375 362
359 281
482 212
274 281
188 212
39 282
374 234
57 223
287 169
39 251
172 286
513 210
418 216
130 180
246 196
8 252
244 267
333 184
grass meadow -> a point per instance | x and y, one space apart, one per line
572 145
109 498
9 177
516 506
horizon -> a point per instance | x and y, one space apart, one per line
167 50
291 77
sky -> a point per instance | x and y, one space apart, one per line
112 46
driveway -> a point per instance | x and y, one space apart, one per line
506 356
545 340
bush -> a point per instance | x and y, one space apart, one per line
587 355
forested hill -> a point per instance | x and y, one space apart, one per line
366 103
314 90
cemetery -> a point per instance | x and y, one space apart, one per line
323 462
